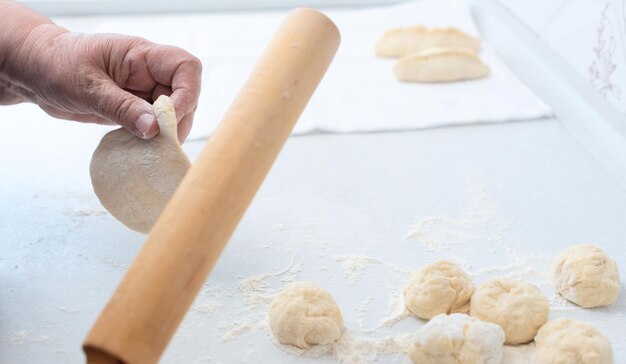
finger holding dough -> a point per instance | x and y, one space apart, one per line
135 178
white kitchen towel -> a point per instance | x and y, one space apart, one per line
359 92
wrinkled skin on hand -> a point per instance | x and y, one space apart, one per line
101 78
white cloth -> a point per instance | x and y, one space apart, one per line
359 92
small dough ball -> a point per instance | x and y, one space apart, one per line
458 339
585 275
303 314
439 287
567 341
440 65
518 307
399 42
135 178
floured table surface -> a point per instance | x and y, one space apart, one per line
355 213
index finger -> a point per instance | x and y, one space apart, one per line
186 83
181 71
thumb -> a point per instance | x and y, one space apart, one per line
131 112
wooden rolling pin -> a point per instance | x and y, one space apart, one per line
185 243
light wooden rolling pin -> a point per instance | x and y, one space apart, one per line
187 240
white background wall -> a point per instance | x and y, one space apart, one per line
83 7
589 34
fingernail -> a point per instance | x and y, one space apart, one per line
144 124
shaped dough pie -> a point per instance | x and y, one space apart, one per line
440 65
400 42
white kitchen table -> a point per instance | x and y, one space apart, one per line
506 199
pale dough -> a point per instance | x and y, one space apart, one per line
567 341
440 65
303 314
135 178
439 287
585 275
518 307
457 339
400 42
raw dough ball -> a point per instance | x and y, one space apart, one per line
458 339
135 178
440 65
566 341
303 314
585 275
399 42
518 307
439 287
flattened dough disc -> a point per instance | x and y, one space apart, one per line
135 178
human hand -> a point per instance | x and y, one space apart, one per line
107 78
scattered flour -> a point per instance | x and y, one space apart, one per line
257 292
519 266
20 336
233 330
560 304
23 337
111 262
362 310
482 225
205 307
205 360
352 349
357 350
69 309
440 233
257 289
396 312
352 265
80 216
85 213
